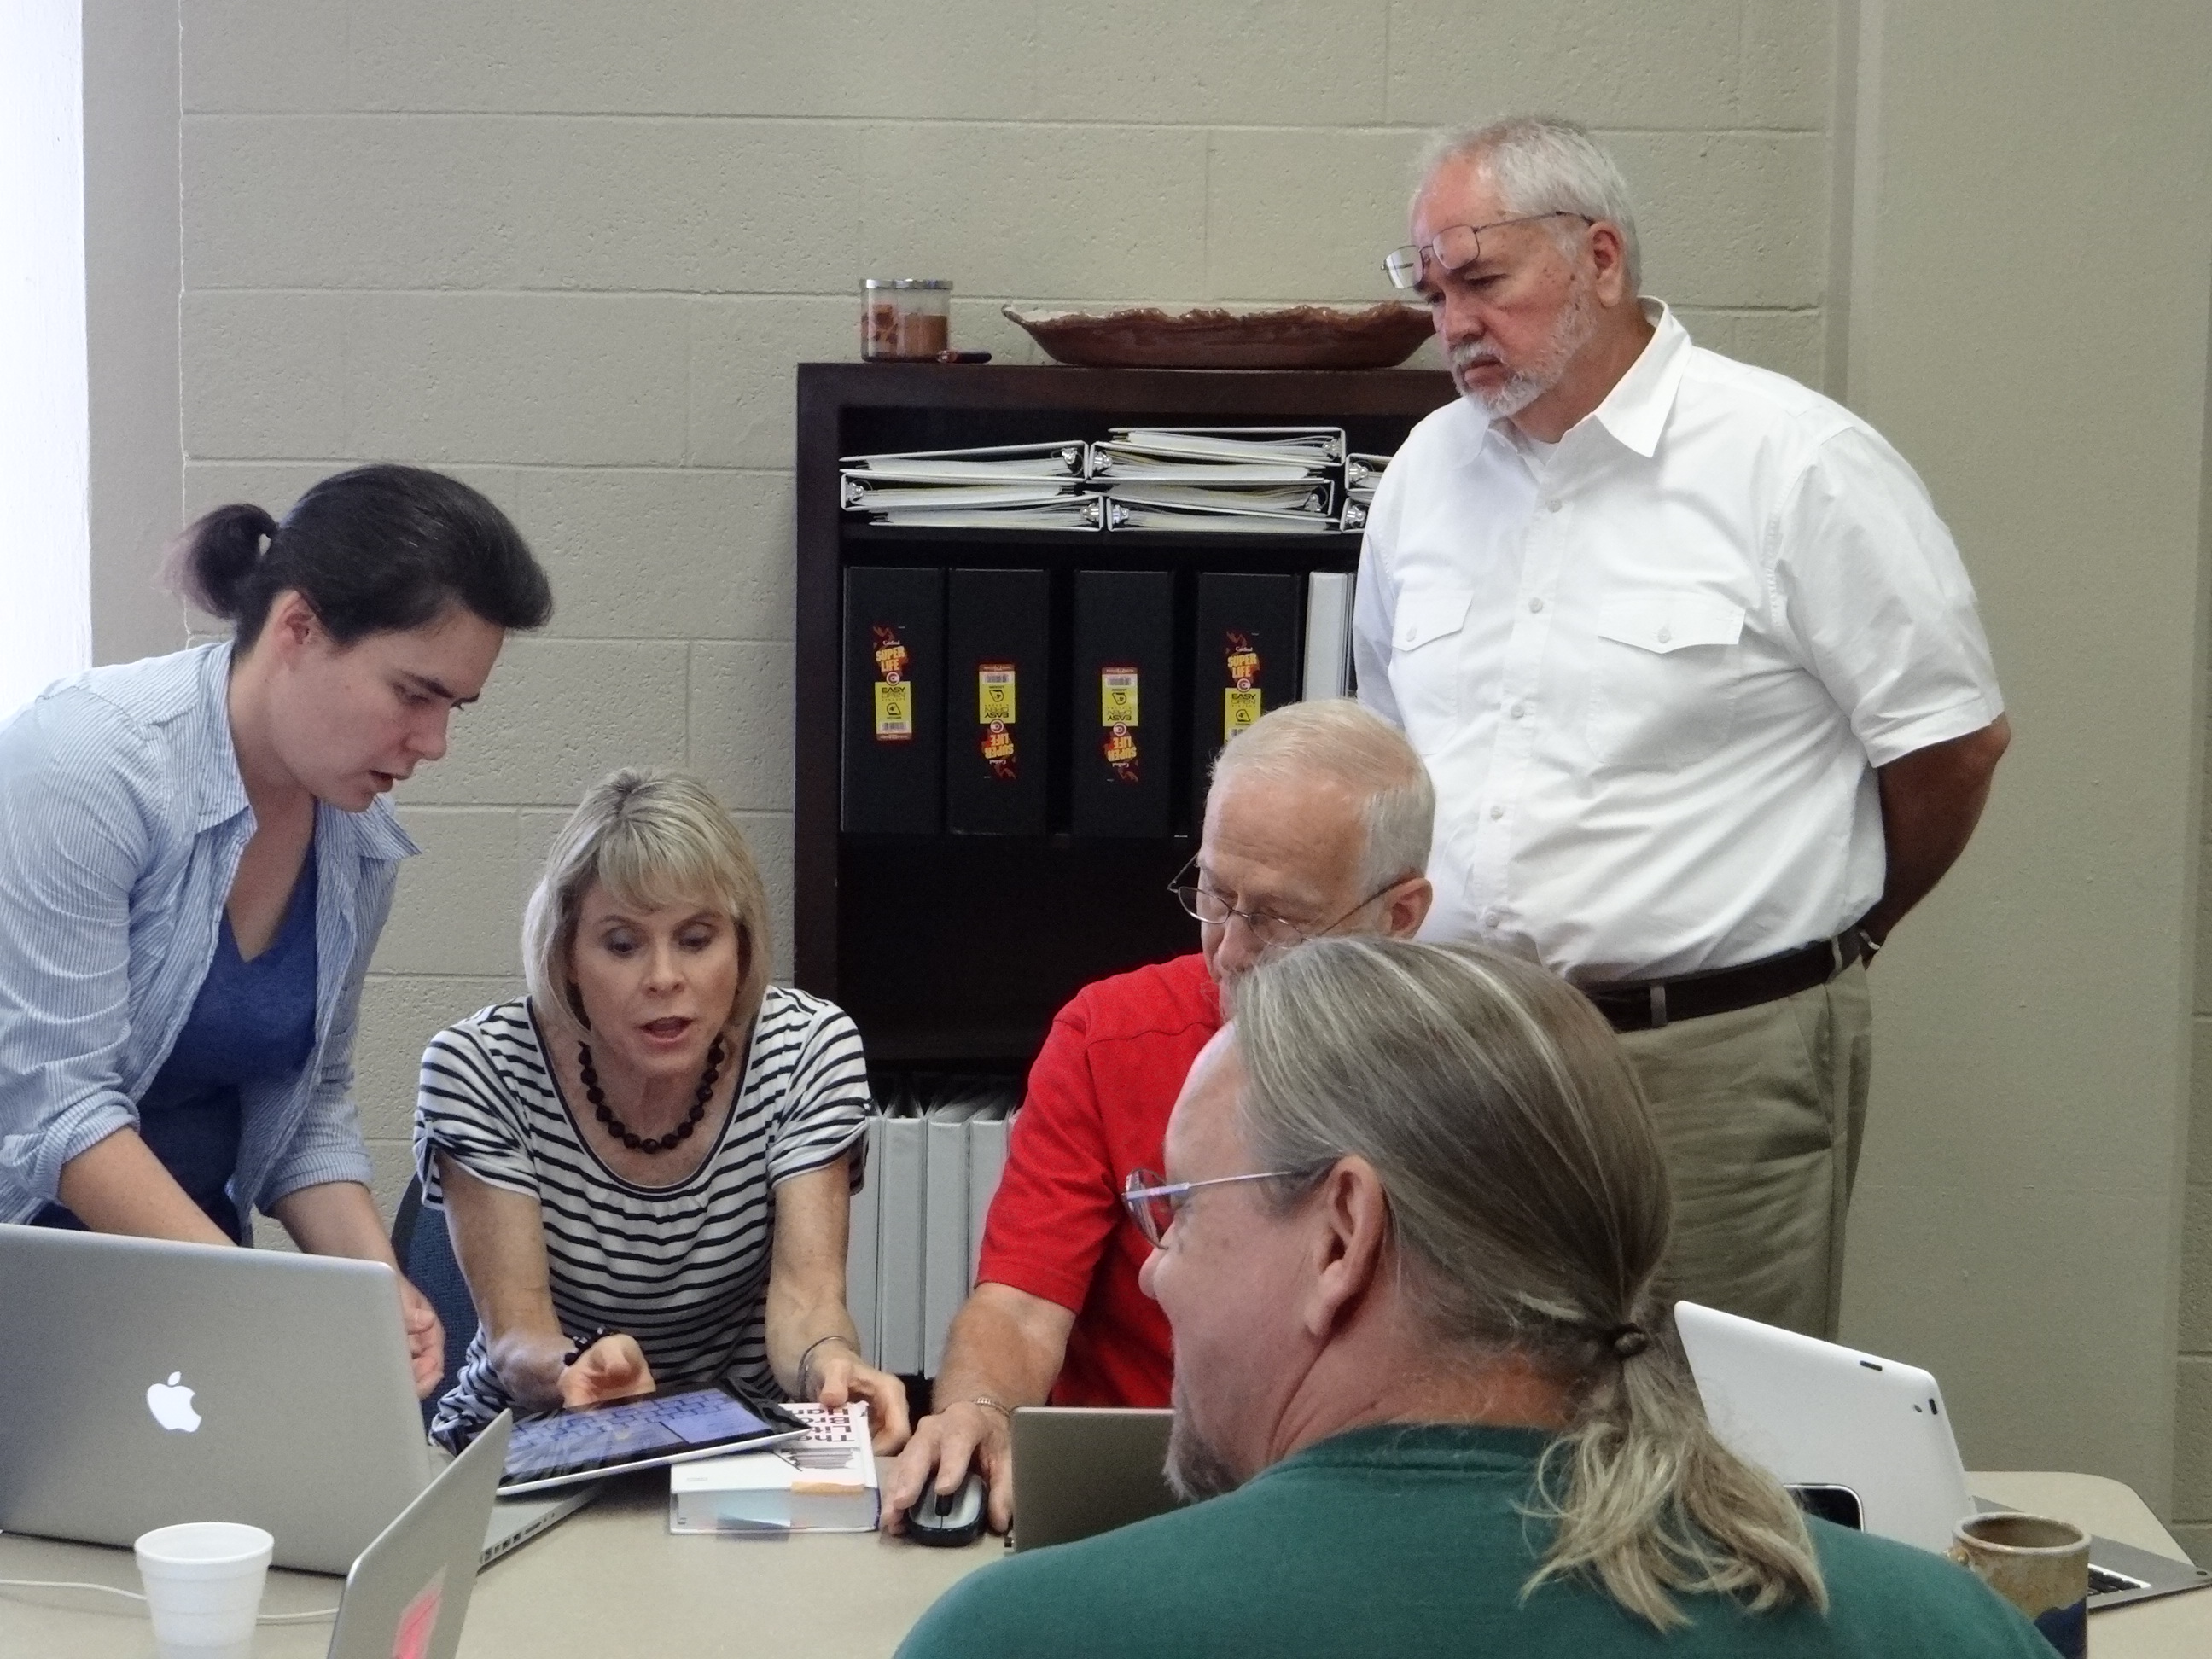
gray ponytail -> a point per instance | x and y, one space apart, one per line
1531 1212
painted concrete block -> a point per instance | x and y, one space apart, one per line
690 206
1616 61
1789 343
662 554
1789 64
2196 1325
1294 63
455 911
1713 330
557 715
1305 214
2200 1098
450 378
254 55
399 1014
742 387
2192 1439
975 60
741 722
768 837
1729 219
1074 209
263 376
362 201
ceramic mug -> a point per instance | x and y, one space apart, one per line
2039 1565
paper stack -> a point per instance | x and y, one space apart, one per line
1361 474
934 1156
1032 486
1238 479
823 1483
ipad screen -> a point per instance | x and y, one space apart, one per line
629 1433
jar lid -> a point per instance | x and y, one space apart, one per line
907 282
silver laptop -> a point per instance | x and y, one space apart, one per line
1821 1417
150 1382
408 1593
1080 1470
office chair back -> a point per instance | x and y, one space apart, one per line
419 1240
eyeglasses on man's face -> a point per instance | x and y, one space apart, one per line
1201 903
1455 247
1153 1201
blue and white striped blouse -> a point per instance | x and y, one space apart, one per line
121 819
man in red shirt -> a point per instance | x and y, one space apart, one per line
1318 821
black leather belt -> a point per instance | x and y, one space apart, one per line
1647 1004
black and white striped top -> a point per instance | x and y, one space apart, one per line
684 1269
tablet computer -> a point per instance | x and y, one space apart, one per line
671 1425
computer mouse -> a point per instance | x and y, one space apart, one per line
948 1522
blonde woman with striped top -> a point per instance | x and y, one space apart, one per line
650 1155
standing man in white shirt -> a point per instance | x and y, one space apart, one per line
1698 673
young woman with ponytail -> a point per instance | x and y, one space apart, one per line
196 861
1408 1239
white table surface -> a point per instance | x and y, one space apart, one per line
595 1583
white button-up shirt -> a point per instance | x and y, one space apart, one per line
1652 670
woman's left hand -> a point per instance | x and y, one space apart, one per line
844 1378
426 1338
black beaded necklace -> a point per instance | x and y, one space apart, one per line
622 1131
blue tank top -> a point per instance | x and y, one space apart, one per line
252 1022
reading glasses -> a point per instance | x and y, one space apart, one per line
1456 246
1201 903
1153 1201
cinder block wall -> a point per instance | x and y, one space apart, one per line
571 252
2192 1404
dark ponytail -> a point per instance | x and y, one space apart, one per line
380 548
210 561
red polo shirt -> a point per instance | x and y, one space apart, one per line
1097 1108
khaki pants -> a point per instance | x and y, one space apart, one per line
1760 1114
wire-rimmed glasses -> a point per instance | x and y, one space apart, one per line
1455 247
1201 903
1152 1201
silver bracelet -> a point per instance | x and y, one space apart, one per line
807 1359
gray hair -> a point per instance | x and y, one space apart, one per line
1530 1211
1545 164
650 839
1336 738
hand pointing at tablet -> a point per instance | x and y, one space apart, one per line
612 1368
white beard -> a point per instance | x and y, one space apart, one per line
1576 323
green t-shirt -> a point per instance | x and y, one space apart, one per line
1400 1541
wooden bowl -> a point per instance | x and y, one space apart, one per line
1285 337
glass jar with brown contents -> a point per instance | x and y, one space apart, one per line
905 318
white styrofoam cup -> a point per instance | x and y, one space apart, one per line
203 1583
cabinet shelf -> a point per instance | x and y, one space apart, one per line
956 951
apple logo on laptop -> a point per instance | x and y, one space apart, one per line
171 1402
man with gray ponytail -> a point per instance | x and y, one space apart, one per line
1698 672
1407 1237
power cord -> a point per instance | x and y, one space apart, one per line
109 1590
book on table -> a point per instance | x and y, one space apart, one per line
824 1483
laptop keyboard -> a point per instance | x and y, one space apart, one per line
2103 1580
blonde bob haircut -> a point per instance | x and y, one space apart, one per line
650 839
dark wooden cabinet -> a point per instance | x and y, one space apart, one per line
955 950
